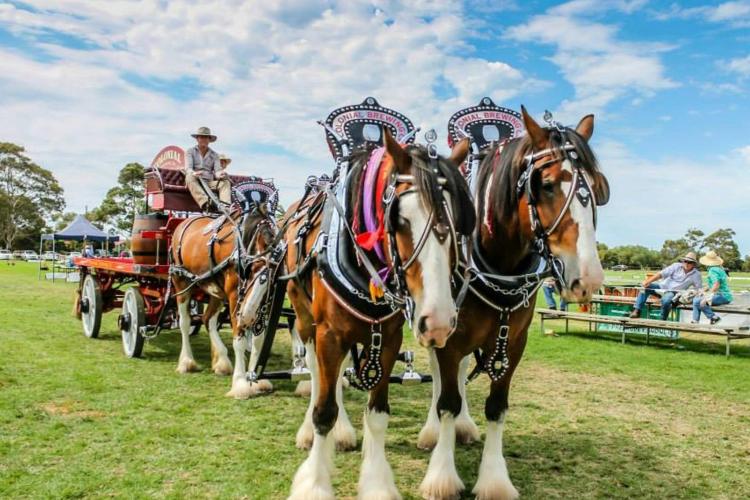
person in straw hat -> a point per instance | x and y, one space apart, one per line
717 292
674 278
225 161
203 162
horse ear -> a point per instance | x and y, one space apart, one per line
537 134
460 151
401 159
585 127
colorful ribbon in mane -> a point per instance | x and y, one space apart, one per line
373 186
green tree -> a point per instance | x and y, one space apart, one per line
673 250
722 242
29 196
122 202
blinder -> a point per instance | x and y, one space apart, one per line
600 186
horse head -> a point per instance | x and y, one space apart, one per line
427 208
559 188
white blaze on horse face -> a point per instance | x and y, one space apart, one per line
584 273
435 310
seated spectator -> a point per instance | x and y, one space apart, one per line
717 293
678 276
549 288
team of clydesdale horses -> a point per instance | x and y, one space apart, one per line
536 191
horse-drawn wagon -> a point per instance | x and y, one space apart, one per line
140 286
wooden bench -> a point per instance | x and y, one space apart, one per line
728 332
654 302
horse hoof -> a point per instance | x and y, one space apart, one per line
304 388
186 365
445 486
223 367
312 482
264 385
379 495
467 431
344 436
495 489
242 390
428 437
304 438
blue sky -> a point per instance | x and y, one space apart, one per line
89 86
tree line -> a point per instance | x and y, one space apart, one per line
32 202
694 240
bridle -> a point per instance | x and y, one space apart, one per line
439 221
581 187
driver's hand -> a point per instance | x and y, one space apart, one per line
645 283
221 174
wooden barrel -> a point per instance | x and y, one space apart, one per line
145 249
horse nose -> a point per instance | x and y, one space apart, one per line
433 329
583 290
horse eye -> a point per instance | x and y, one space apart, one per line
548 187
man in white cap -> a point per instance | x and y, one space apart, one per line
203 162
676 277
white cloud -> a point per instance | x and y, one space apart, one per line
735 14
259 73
658 199
740 66
601 67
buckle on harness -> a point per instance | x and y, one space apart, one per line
503 334
376 338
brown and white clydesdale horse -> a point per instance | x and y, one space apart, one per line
535 194
426 243
219 261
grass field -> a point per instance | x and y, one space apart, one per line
589 418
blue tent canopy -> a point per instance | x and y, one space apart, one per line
79 230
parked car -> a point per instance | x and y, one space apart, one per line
29 255
5 255
620 267
50 256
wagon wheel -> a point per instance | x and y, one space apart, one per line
91 307
132 319
196 309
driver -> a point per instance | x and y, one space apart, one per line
203 162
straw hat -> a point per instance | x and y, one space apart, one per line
711 259
225 158
690 257
204 132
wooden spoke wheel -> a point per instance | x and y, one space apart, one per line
131 321
91 307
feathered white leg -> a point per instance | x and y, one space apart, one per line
441 480
428 436
466 429
186 363
376 477
494 482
